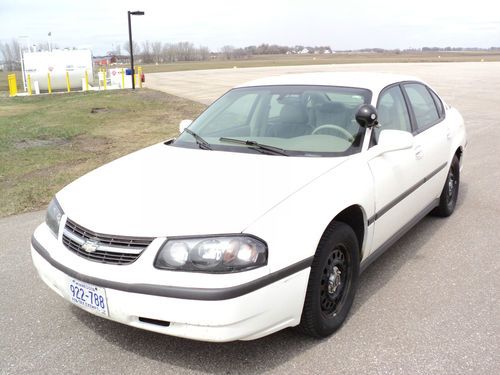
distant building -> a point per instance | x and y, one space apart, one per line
112 60
304 51
101 60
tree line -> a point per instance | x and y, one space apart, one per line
159 52
230 52
11 55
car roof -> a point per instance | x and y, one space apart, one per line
372 81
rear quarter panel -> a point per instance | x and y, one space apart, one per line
457 131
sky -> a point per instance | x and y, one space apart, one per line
347 24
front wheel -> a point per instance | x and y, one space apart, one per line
332 282
449 195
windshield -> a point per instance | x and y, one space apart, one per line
299 120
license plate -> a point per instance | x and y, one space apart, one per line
88 296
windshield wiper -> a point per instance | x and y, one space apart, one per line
199 140
255 145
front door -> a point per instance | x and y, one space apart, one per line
397 175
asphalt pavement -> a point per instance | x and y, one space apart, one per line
429 305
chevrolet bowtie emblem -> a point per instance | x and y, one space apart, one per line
90 246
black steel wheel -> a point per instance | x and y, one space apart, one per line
332 281
449 194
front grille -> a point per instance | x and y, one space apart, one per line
107 248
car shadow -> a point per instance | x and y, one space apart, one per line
406 249
250 357
239 357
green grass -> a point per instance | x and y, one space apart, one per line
49 140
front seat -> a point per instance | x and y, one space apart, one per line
292 122
332 113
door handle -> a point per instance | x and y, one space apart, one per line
419 152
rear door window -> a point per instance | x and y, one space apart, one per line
439 103
424 108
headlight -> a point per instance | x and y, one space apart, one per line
218 254
53 216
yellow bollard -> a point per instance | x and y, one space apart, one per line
123 78
49 85
67 82
140 76
29 84
105 83
101 78
86 81
12 84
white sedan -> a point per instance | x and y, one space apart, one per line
262 213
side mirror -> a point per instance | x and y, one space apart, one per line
184 124
394 140
367 116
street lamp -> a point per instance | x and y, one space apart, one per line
136 13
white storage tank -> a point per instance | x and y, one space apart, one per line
57 63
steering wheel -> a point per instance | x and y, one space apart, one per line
345 134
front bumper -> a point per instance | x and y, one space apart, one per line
233 312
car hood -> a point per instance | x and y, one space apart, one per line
169 191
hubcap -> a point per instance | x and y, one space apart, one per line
333 281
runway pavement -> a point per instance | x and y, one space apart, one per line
428 306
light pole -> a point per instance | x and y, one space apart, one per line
135 13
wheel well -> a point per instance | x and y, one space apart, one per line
353 216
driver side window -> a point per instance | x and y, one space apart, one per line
392 111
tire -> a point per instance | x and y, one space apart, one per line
332 282
449 195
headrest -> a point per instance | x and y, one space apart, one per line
293 114
332 107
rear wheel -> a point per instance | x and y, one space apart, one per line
332 282
449 195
